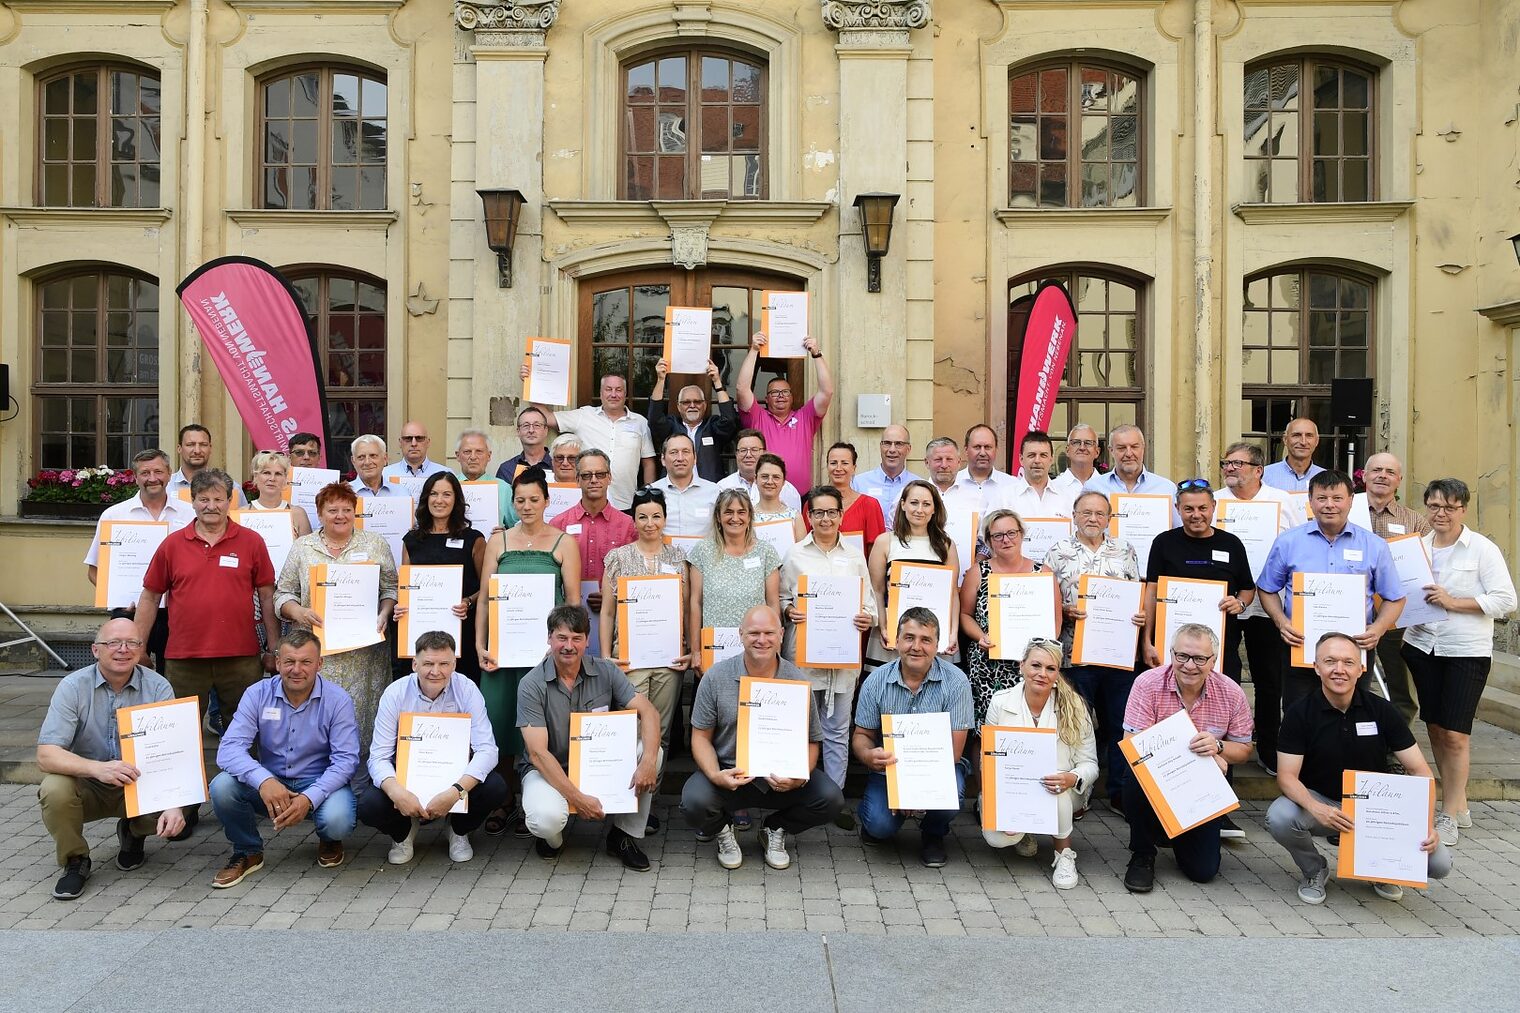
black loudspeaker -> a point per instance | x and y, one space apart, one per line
5 387
1351 402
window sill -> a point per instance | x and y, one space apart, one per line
1505 314
35 523
1084 216
306 6
89 6
1295 214
257 218
35 216
631 212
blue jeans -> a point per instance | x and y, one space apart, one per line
239 808
1107 692
881 822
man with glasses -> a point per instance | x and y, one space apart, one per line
1081 461
611 428
710 435
790 434
689 498
1383 474
747 450
1033 493
1293 472
414 467
1242 469
597 526
885 482
305 450
561 458
532 434
79 753
1222 717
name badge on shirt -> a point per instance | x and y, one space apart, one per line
1352 555
707 441
1221 556
228 561
453 543
359 557
1397 529
572 529
666 568
271 714
599 710
1366 728
752 564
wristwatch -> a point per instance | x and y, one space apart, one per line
1221 746
459 788
816 355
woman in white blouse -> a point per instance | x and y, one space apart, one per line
1449 659
1044 699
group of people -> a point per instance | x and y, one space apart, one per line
318 738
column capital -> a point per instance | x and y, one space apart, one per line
508 23
850 16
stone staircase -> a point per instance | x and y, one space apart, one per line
1501 697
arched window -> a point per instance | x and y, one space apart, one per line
95 383
694 126
1310 131
1074 136
98 138
1303 328
323 139
348 311
1103 385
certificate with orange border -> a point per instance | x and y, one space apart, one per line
1256 522
604 752
517 610
1020 608
1393 814
784 321
1014 762
429 594
773 727
346 597
649 617
1040 533
688 339
964 529
1107 636
548 379
684 542
926 585
275 527
1137 518
163 741
1186 790
780 534
718 643
827 637
432 752
1183 600
1327 603
562 496
855 540
924 775
126 549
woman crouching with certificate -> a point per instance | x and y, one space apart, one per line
1044 699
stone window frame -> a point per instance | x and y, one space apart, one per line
1306 153
103 115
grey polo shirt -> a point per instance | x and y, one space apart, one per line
716 706
82 715
543 702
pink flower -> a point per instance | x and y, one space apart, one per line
77 483
66 475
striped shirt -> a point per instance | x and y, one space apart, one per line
1221 709
944 690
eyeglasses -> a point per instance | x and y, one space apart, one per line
827 512
1445 508
1195 485
595 476
413 439
118 645
896 443
566 458
1191 659
531 425
692 402
1081 443
1005 536
1232 465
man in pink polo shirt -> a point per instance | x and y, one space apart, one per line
788 434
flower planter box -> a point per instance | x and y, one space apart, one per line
66 511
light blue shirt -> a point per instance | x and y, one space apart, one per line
885 489
1282 476
405 696
1307 549
945 689
318 739
386 488
1149 483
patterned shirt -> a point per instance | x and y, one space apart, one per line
945 689
732 585
1069 559
1221 709
1396 519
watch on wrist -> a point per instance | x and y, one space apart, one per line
1221 746
816 355
459 788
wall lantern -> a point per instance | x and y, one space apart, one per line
1515 242
876 229
503 210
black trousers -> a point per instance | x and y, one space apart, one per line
377 810
708 807
1197 850
1264 646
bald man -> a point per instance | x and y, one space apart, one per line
885 483
414 467
1293 472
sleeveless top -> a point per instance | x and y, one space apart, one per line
519 561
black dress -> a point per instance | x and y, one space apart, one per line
430 549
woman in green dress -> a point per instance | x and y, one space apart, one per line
530 546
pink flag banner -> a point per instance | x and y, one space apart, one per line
1048 332
251 322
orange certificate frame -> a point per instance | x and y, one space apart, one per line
1345 863
129 746
896 581
989 768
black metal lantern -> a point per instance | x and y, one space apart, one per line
503 211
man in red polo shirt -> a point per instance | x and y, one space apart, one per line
211 570
788 434
597 525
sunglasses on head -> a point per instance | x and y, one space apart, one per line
1195 485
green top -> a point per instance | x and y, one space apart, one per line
519 561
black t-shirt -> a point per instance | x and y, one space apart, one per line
1221 556
1331 742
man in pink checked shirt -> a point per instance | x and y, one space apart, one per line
788 434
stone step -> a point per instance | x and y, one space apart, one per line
1505 674
1500 707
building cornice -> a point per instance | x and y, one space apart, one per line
627 212
1505 314
1326 213
103 217
508 23
1059 217
258 218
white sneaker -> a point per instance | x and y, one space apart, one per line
1026 846
1446 828
1312 889
775 847
459 847
401 851
1463 818
1065 876
1388 891
729 855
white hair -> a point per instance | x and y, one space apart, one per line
359 441
474 432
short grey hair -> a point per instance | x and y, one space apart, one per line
1198 630
209 477
1122 429
359 441
941 441
592 452
1252 450
459 441
565 440
1079 426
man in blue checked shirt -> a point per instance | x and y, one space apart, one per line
918 682
308 749
1327 544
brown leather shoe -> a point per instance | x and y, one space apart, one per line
329 854
236 869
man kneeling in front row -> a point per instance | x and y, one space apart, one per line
307 751
1338 728
564 683
84 776
432 688
719 787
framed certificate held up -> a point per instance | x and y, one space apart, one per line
163 741
126 549
911 585
432 752
773 727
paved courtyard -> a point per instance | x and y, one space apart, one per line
834 886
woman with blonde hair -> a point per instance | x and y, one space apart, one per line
271 476
1044 699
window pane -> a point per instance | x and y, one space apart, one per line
641 83
304 91
715 128
86 84
649 302
673 79
55 97
609 316
1356 179
746 128
1052 138
746 83
1053 184
1022 93
345 98
672 131
672 169
1053 90
714 79
641 132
